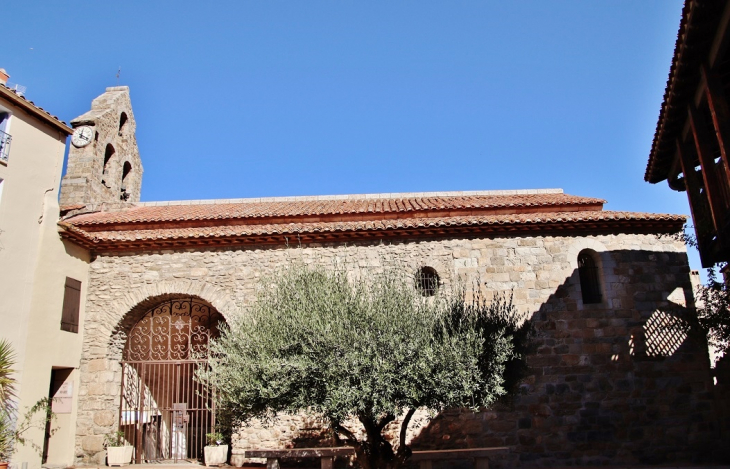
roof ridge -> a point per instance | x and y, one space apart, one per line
385 195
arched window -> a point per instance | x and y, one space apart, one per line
427 281
126 169
108 153
590 283
122 122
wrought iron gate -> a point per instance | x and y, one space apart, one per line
165 408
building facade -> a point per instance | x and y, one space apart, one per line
43 276
612 377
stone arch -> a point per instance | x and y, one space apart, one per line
120 334
109 152
104 341
122 122
589 267
604 263
111 314
126 171
210 293
163 343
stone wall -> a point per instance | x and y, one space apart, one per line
608 381
88 180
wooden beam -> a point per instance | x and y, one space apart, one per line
713 189
674 183
720 114
692 182
722 38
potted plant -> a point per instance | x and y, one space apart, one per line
216 453
118 452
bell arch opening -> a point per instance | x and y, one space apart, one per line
165 407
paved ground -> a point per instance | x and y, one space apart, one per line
197 466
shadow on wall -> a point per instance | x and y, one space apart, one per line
611 378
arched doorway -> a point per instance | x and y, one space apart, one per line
165 411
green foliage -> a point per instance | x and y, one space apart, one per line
713 303
7 440
12 429
114 439
7 398
7 383
214 439
39 416
370 350
713 312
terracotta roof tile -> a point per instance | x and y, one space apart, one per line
697 29
338 218
335 207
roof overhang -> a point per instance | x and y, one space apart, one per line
35 111
536 224
701 38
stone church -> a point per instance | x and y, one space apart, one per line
611 379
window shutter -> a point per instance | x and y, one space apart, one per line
71 305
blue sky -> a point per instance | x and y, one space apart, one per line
274 98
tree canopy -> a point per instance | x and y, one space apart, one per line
368 350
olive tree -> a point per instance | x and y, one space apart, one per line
366 351
712 302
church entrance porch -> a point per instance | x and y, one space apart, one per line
166 407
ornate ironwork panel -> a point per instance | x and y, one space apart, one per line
178 329
165 408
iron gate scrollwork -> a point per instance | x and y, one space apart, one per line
165 410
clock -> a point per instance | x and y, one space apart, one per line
82 136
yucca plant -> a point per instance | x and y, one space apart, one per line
7 438
7 382
7 400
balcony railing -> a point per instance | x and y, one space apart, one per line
4 146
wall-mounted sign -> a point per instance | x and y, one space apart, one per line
63 398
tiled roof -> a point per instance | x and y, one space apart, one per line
697 29
325 220
34 108
402 206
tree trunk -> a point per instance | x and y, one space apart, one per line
374 451
377 452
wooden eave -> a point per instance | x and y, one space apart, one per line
701 39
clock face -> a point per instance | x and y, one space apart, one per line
82 136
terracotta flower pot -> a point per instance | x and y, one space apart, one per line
216 455
3 465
